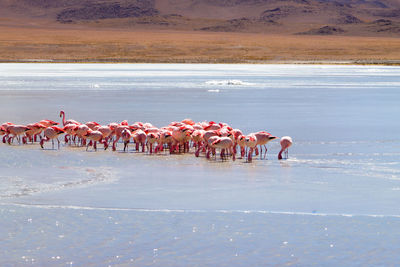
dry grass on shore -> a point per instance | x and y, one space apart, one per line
85 44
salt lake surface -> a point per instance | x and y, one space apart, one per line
334 202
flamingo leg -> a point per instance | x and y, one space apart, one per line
265 155
233 154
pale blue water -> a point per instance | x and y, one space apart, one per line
334 202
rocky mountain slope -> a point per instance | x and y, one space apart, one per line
315 17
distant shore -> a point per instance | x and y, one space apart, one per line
87 45
129 61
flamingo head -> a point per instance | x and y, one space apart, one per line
272 137
250 138
62 113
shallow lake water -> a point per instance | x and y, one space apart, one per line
334 202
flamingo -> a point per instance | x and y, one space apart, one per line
94 137
16 131
106 132
152 138
251 142
126 136
286 142
34 130
70 130
51 133
139 137
179 135
81 131
165 138
197 138
225 144
262 139
5 127
65 122
241 141
118 132
210 146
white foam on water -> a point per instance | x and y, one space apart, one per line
222 211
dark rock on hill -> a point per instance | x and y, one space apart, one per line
384 26
229 25
349 19
105 11
326 30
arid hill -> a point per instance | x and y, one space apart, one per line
265 16
200 30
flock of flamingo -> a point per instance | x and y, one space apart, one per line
177 137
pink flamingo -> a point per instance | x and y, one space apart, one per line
65 122
70 132
5 127
139 137
126 136
51 133
210 147
251 143
262 139
152 138
34 130
179 136
241 141
81 131
118 132
197 138
106 131
94 137
286 142
17 131
165 138
226 145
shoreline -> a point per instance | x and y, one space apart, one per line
216 61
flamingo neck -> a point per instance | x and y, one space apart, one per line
63 117
280 154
